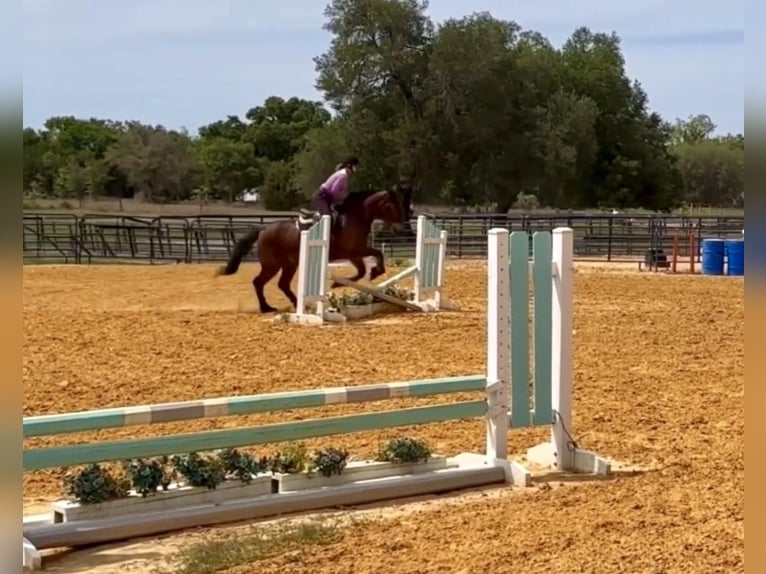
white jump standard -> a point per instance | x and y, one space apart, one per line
427 274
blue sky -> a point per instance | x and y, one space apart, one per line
185 63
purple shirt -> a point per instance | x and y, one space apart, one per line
336 186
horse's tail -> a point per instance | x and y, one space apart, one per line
241 248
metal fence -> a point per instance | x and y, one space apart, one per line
98 238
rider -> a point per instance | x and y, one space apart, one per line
335 188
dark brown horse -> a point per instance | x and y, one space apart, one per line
278 243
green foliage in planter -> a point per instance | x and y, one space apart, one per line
240 465
148 476
94 484
329 461
399 293
200 470
359 298
291 460
404 450
340 302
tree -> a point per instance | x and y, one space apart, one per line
632 167
66 159
320 156
157 163
232 128
567 147
278 191
375 75
713 173
712 169
693 130
379 49
71 179
34 176
228 167
482 111
278 128
476 113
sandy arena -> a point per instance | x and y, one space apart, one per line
659 383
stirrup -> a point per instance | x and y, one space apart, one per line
307 216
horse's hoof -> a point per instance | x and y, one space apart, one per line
375 273
268 309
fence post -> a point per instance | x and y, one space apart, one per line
561 347
498 343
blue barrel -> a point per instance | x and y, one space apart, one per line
735 253
713 251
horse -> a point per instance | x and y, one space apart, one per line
278 243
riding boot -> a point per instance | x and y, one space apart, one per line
334 215
308 217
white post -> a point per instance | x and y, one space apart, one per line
441 260
561 347
498 344
303 255
419 244
326 224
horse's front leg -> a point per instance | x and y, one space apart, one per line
361 271
380 266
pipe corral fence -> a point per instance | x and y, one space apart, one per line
50 237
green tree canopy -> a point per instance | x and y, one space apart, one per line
475 113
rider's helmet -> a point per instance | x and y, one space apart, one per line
351 162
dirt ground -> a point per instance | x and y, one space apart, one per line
659 382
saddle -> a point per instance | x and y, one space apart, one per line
307 218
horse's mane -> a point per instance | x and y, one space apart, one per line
355 198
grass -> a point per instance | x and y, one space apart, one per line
239 549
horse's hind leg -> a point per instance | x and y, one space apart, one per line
268 270
288 272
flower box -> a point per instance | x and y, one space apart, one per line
358 471
368 310
176 496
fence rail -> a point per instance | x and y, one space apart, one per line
68 423
97 238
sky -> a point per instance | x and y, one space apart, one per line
186 63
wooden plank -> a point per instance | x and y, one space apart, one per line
375 293
279 432
47 425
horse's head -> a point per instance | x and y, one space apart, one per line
393 206
406 191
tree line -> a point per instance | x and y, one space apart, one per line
474 113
